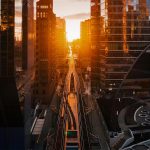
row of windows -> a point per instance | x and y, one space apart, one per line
131 37
42 14
114 6
115 75
120 61
121 54
43 6
118 69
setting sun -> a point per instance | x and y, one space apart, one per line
72 29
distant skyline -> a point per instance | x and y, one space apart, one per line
74 11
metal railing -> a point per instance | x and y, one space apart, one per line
85 129
80 125
60 126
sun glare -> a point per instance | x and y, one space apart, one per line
72 29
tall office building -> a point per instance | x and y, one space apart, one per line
11 121
45 52
7 68
95 49
85 43
61 43
28 35
127 32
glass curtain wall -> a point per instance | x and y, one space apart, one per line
127 32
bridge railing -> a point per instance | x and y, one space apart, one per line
60 130
83 124
80 125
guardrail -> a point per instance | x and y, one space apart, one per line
80 125
85 130
59 142
33 125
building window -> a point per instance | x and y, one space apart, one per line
38 15
44 7
44 14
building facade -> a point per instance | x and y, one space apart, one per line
44 53
95 50
85 44
28 34
7 39
10 114
60 43
7 67
127 32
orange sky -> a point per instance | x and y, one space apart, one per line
73 11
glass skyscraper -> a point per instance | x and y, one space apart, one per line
28 35
95 51
8 91
7 39
11 121
127 32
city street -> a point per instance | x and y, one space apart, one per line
74 74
